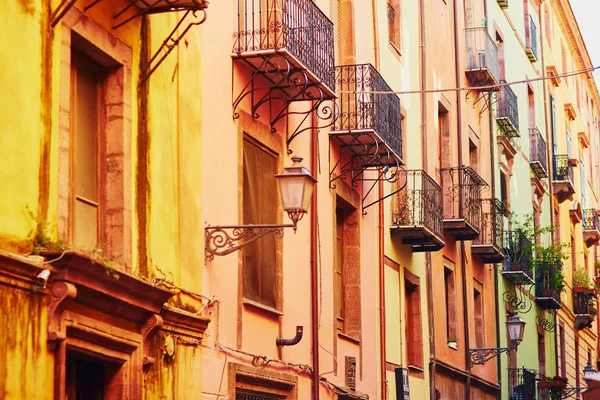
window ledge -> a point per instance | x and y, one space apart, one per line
261 307
415 368
349 338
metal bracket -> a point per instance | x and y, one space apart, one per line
519 300
482 355
169 44
225 239
546 322
571 391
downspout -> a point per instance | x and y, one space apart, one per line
550 161
457 69
424 165
381 237
382 332
496 291
314 273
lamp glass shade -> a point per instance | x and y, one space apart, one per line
588 370
296 187
516 328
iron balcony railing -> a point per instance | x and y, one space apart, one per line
583 303
530 37
298 26
518 251
420 203
591 221
508 110
522 383
462 188
491 231
547 281
482 51
364 104
563 172
537 153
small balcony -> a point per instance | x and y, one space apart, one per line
530 38
462 188
367 118
490 243
591 227
417 213
522 383
507 116
482 59
563 184
584 308
517 264
290 44
537 153
547 281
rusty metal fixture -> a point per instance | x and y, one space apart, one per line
293 341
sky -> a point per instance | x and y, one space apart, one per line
586 12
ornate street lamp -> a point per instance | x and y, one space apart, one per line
295 186
516 328
589 370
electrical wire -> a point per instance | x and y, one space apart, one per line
460 89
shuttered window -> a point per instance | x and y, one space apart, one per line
260 207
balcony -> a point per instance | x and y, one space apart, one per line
537 153
462 188
286 50
563 184
417 213
591 227
522 383
367 120
584 307
518 253
482 59
530 38
547 296
490 243
507 115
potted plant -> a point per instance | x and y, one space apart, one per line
581 281
548 264
546 382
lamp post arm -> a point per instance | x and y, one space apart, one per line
482 355
224 239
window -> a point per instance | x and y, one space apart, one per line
531 103
478 311
450 297
473 155
503 188
394 21
92 379
541 354
501 61
87 81
413 327
259 384
563 353
259 196
347 269
444 143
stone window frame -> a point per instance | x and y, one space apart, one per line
115 199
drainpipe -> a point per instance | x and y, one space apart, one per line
382 332
293 341
381 237
550 161
424 165
314 273
496 291
457 69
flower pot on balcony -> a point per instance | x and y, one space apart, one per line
545 384
546 293
580 289
573 162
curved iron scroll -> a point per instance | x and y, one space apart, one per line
519 300
547 321
223 240
481 356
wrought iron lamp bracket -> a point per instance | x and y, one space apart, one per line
225 239
547 323
571 391
482 355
